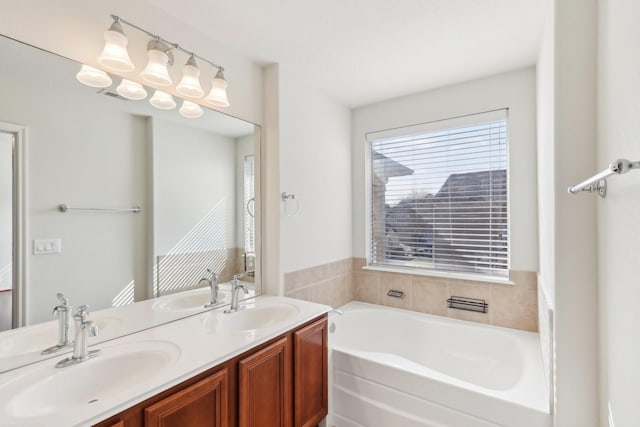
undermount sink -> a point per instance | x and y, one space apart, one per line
46 391
252 317
188 301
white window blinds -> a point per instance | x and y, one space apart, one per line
249 204
439 196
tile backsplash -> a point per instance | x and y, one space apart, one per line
329 284
336 283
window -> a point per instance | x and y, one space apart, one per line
439 196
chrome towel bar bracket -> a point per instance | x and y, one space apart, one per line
598 182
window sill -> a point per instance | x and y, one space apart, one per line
448 275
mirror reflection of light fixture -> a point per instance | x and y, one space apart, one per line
190 110
156 72
93 77
131 90
190 86
115 56
162 100
218 94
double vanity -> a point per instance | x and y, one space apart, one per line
265 364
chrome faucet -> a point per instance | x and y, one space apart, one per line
213 284
235 288
63 312
84 329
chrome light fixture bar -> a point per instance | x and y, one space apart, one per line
190 85
115 57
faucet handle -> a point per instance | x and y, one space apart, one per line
82 313
63 306
64 300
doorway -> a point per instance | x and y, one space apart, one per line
7 143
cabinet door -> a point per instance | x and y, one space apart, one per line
201 404
310 374
265 387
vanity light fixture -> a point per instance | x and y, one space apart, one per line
218 94
190 86
93 77
115 56
190 110
160 55
131 90
157 72
162 100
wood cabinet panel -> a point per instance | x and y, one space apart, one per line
201 404
310 374
280 383
265 387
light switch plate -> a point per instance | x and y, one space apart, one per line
47 246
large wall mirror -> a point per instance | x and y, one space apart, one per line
195 182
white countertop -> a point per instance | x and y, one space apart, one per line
196 346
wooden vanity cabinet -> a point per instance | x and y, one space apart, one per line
310 374
204 400
281 383
264 387
201 404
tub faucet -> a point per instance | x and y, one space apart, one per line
235 288
63 312
213 284
84 329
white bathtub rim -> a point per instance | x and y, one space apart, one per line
362 306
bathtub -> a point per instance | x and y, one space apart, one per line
396 368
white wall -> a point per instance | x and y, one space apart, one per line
194 188
270 181
574 274
75 159
315 165
74 28
545 69
618 214
515 90
6 210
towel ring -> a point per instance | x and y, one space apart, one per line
251 207
285 198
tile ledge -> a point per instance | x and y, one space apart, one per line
459 276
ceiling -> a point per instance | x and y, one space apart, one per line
362 51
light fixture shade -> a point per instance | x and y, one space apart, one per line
156 71
190 110
162 100
93 77
218 94
131 90
115 56
190 86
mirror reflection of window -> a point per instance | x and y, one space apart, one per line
250 203
249 214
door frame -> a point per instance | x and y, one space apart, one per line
19 268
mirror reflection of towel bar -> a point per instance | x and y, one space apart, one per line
66 208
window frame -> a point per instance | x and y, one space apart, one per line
426 127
